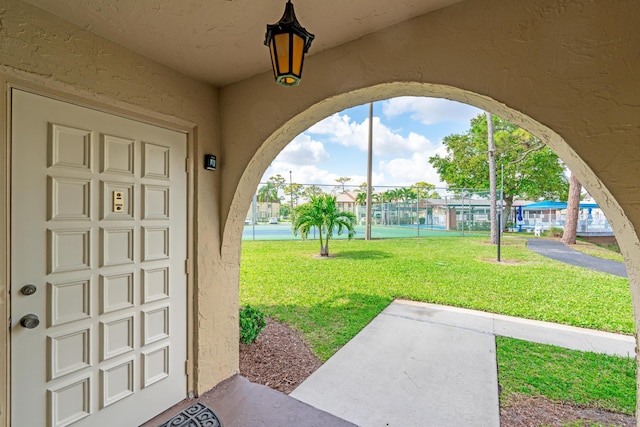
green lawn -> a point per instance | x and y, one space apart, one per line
331 300
599 251
586 379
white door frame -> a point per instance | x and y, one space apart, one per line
7 85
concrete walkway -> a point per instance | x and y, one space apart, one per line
559 251
419 364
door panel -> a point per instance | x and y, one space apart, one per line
98 226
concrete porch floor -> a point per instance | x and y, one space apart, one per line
240 403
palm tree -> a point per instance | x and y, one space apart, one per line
387 198
406 195
322 212
361 200
378 205
268 193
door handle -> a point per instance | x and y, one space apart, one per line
29 321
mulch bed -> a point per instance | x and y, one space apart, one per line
281 359
527 411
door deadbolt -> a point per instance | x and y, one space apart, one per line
28 289
29 321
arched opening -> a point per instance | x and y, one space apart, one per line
279 139
304 119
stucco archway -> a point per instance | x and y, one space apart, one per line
300 122
537 68
276 142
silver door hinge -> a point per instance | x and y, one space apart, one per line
187 367
186 164
187 266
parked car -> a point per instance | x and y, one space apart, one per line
273 220
247 221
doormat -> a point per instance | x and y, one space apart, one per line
196 415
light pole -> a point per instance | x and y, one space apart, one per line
291 195
369 174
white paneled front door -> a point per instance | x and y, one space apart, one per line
98 250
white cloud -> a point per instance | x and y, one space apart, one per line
407 171
402 159
429 110
304 151
311 174
340 129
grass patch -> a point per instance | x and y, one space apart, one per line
330 300
611 252
587 379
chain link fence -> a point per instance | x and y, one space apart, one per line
395 211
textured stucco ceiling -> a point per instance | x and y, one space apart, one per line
221 41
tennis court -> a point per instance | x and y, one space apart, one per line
283 231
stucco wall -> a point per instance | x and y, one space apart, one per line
571 66
49 54
568 71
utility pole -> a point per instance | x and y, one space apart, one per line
291 196
369 173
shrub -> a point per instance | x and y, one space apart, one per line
251 324
556 231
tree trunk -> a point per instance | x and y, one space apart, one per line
573 209
508 203
322 248
492 181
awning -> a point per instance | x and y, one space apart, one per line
545 205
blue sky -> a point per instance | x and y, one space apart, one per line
406 132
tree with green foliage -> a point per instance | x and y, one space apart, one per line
294 191
342 180
322 212
531 169
277 181
361 194
311 190
407 196
386 198
424 190
269 192
285 210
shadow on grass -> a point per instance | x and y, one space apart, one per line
363 254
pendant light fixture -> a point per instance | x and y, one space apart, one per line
288 41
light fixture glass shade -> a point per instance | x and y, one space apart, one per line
288 41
